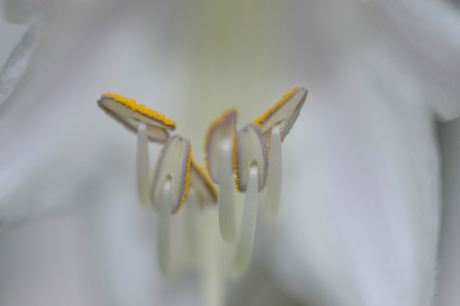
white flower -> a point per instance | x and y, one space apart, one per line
360 206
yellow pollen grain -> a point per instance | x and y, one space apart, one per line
141 108
187 178
259 120
235 162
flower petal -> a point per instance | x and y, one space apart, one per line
12 71
363 196
21 11
429 31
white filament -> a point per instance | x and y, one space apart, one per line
227 222
248 222
163 228
209 256
142 165
190 222
274 174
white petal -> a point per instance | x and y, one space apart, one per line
52 113
449 253
359 217
12 71
20 11
59 150
430 29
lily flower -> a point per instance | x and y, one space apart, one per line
360 219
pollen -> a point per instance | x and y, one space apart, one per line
259 120
284 113
187 178
235 162
142 109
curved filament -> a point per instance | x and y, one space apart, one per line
227 222
274 174
163 228
142 165
248 222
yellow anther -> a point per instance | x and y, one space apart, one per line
280 102
130 114
235 162
173 165
284 113
187 178
142 109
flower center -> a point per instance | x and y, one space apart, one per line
244 153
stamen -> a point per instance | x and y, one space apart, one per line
174 165
130 114
142 165
248 222
274 174
219 142
163 227
284 113
252 165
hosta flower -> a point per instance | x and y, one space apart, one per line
360 209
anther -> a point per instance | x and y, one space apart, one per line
174 165
129 113
275 125
284 113
219 151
